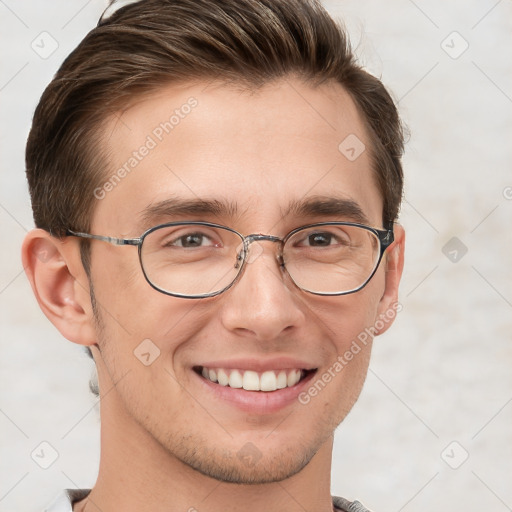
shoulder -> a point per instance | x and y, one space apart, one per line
64 501
348 506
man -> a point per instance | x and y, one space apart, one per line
215 186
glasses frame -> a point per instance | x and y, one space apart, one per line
385 237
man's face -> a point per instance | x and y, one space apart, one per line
259 152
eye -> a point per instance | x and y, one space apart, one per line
320 239
189 240
192 240
324 239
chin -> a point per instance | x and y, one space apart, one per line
248 466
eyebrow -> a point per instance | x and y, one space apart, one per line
319 206
179 207
316 206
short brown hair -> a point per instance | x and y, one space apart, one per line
152 43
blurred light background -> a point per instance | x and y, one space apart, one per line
433 426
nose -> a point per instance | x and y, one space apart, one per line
263 303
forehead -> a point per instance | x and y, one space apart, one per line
257 154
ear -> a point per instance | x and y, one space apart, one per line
394 265
60 284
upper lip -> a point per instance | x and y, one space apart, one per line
260 365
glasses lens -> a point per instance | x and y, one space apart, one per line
331 259
190 259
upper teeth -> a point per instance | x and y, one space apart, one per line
253 381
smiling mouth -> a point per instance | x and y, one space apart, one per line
270 380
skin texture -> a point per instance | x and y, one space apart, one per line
167 442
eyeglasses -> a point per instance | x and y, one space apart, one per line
195 260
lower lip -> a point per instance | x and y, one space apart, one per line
258 402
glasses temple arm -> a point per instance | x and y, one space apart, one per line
108 239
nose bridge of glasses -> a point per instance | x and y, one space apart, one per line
260 237
249 239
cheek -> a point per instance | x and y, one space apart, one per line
137 320
119 269
153 341
126 299
348 317
350 322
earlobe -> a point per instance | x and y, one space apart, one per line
394 265
60 285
